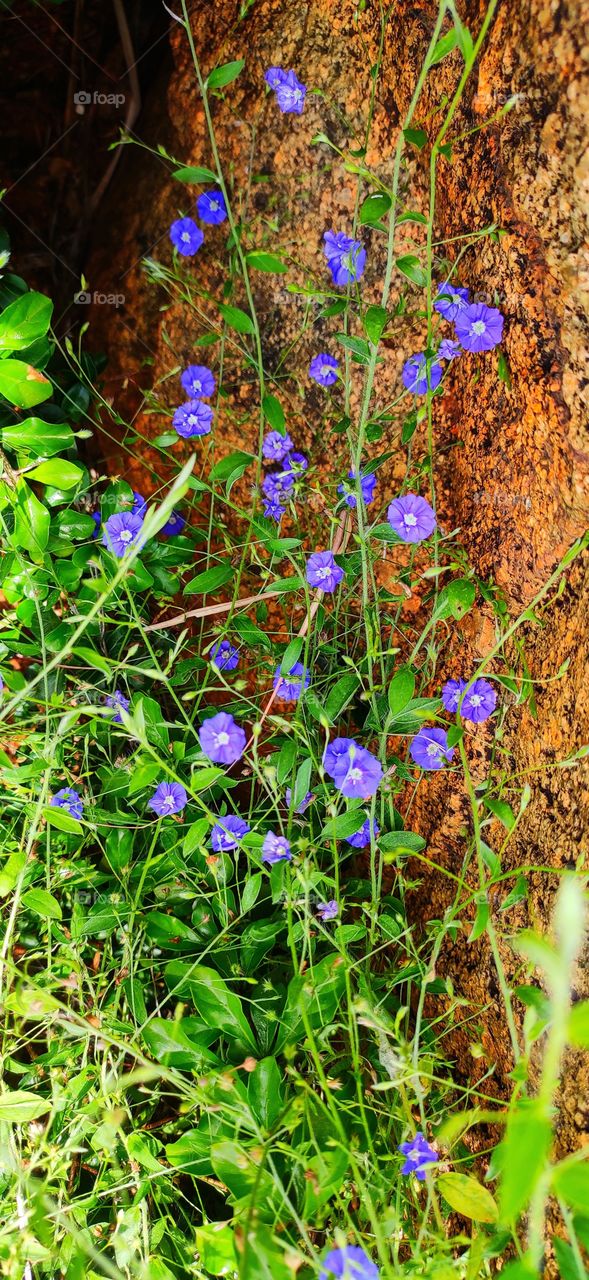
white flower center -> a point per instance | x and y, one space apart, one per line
475 699
126 535
185 236
169 802
354 775
410 520
478 326
433 749
214 205
222 739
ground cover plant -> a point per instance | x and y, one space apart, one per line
224 1031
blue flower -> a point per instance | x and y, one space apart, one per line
449 350
228 832
348 1263
305 802
429 748
174 525
275 849
418 377
224 656
276 446
357 773
272 510
278 485
346 258
288 689
479 701
117 702
411 517
324 369
139 505
362 838
323 572
418 1156
335 752
186 236
193 419
168 798
328 910
295 462
211 207
69 800
451 695
222 739
97 518
198 381
289 90
450 300
367 487
479 328
121 532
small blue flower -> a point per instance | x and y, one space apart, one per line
211 207
451 695
305 802
193 419
272 510
174 525
324 369
186 236
367 487
97 518
358 773
198 381
348 1263
117 702
289 90
336 751
323 572
222 739
362 838
278 485
346 258
139 505
295 462
288 689
224 656
450 300
449 350
228 832
69 800
418 377
276 446
479 328
411 517
419 1156
479 701
328 910
121 532
168 798
429 748
275 849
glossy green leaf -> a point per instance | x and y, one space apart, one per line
237 319
24 320
224 75
269 262
65 475
22 385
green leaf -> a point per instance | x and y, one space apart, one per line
444 46
215 1246
41 439
215 1003
579 1025
456 599
251 892
523 1155
25 320
210 580
358 347
21 1107
169 1044
264 1092
416 138
302 782
273 412
341 695
42 904
269 262
502 811
346 824
221 76
31 522
374 208
374 321
291 655
237 319
62 474
232 466
570 1180
401 690
396 842
23 385
194 174
411 268
467 1197
61 819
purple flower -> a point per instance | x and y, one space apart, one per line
448 349
367 488
451 695
168 797
363 837
335 753
479 328
272 510
418 1156
224 656
328 910
419 375
290 92
186 236
193 419
69 800
174 525
97 518
323 572
411 517
429 748
278 485
121 532
479 701
358 773
276 446
305 802
348 1263
198 381
276 849
324 369
295 462
346 258
117 702
288 689
211 207
221 739
451 300
228 832
139 505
